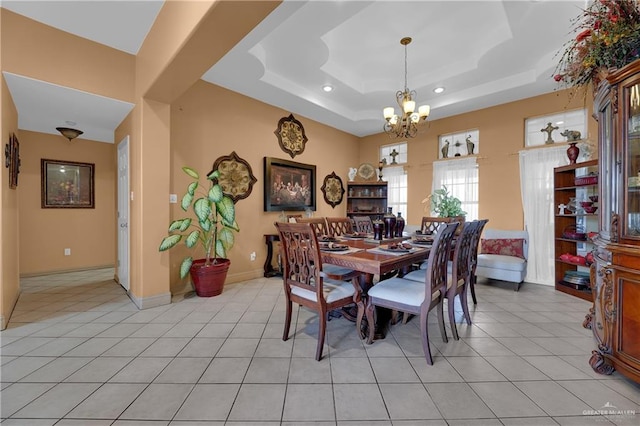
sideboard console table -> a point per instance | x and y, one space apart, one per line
269 270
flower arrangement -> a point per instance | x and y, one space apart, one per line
608 37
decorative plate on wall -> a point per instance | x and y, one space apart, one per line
366 171
332 189
291 135
236 176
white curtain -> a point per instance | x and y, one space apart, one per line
536 183
460 176
396 179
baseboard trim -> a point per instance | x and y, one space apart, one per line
3 322
64 271
150 302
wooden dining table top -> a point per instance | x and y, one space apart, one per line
373 262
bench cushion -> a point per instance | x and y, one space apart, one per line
499 261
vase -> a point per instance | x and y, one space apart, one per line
572 152
389 223
378 229
399 225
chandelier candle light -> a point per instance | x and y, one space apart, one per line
406 124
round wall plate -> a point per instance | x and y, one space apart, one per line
366 171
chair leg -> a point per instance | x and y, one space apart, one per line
472 284
465 306
516 286
452 317
424 334
287 321
322 318
360 315
443 330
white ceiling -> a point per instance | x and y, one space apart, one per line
483 52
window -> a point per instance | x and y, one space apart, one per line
460 176
396 189
400 157
535 134
395 176
459 144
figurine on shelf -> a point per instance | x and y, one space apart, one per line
562 208
445 149
352 173
549 129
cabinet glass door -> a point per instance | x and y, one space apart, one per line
607 161
632 152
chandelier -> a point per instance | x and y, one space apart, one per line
406 124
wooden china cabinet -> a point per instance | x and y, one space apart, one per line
615 315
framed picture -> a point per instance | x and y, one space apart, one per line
67 184
12 160
288 185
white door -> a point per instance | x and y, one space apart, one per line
123 212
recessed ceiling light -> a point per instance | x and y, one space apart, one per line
559 122
438 89
327 88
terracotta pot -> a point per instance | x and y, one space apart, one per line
572 152
209 280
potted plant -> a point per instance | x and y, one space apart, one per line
444 204
213 230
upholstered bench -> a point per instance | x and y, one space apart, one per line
503 256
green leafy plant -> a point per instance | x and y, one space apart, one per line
215 221
444 204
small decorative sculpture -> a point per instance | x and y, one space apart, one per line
352 173
470 145
562 208
549 129
571 135
445 149
380 166
393 154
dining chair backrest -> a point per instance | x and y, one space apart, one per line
462 255
430 224
317 223
476 241
439 255
363 224
302 261
339 226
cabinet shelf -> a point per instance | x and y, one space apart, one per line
565 189
366 199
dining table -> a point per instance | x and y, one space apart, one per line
375 257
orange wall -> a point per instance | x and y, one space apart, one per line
45 53
209 122
501 137
45 233
9 217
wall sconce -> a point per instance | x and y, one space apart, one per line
69 133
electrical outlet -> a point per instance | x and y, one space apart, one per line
67 252
252 256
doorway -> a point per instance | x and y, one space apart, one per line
123 213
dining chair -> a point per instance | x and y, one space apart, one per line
307 285
414 297
363 224
430 224
339 226
474 259
318 223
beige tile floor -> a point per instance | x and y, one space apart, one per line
78 352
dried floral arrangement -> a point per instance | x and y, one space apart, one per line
608 37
